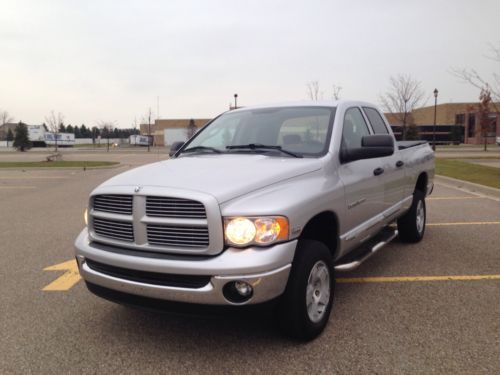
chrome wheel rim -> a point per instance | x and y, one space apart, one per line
420 217
318 291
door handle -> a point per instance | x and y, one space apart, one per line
378 171
400 163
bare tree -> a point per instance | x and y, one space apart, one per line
336 91
134 125
147 120
53 123
5 117
403 96
313 90
474 78
106 130
484 115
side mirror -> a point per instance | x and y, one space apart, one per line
175 147
372 146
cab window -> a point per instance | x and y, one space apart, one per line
354 128
376 120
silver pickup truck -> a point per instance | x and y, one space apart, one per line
263 204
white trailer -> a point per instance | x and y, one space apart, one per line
63 139
139 140
36 133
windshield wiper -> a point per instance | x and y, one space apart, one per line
255 146
201 148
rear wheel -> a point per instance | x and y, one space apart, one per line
411 226
307 302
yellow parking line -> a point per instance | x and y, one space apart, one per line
383 279
18 187
452 198
67 280
464 223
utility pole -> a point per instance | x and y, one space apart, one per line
149 128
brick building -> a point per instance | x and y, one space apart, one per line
449 116
160 128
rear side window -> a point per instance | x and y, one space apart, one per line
376 120
354 129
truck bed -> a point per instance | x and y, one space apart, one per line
403 145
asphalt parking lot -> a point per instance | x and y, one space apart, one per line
432 307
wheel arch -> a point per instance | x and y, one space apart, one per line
323 227
421 184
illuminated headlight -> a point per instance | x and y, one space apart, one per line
244 231
86 216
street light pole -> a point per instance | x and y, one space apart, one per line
434 127
235 101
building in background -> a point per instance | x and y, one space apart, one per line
166 131
4 129
455 122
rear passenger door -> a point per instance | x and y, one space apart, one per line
364 192
393 166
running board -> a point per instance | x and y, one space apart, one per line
350 265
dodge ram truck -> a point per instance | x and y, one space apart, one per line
263 204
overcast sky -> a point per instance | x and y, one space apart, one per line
110 60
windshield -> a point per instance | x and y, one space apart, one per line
300 131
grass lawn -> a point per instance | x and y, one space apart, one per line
55 164
462 170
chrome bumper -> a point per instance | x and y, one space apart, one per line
266 269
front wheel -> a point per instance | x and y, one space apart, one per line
307 302
411 226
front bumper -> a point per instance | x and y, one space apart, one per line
266 269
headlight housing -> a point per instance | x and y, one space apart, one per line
261 231
86 216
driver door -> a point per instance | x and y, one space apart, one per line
363 191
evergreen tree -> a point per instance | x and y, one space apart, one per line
10 136
62 128
69 129
21 140
77 132
85 133
412 133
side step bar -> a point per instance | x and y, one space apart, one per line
357 262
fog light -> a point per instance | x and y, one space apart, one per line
237 291
243 288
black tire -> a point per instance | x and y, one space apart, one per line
293 316
411 229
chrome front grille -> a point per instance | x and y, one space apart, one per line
117 230
155 221
113 203
174 208
181 236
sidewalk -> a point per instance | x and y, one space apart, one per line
469 187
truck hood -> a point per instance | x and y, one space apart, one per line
224 177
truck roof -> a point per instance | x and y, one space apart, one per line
309 103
